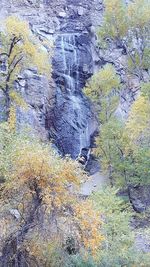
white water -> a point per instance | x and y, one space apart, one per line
63 54
84 133
71 75
70 65
85 138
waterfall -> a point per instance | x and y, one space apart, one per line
70 63
63 55
76 124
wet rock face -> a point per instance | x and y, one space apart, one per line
61 111
72 62
71 122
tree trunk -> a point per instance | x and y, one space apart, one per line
12 254
7 102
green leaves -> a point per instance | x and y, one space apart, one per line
102 83
145 89
118 240
128 26
20 49
103 89
115 20
123 149
118 248
138 123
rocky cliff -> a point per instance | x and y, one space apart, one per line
59 110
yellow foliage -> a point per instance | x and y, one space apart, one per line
138 13
17 99
90 226
22 50
119 18
115 22
12 118
102 83
37 56
35 170
27 44
103 89
139 118
52 175
15 26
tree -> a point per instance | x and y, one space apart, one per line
127 26
124 158
138 129
37 181
110 150
138 123
103 88
115 20
121 146
20 49
118 245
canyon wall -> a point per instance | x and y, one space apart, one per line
58 109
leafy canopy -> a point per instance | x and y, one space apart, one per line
118 244
20 49
33 173
103 88
127 26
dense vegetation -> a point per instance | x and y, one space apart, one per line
123 146
53 225
19 50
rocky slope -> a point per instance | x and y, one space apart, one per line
59 110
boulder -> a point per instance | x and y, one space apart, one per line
139 196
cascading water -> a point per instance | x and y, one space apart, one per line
71 72
70 64
76 124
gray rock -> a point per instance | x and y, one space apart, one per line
81 11
72 130
2 106
15 213
140 197
61 110
62 14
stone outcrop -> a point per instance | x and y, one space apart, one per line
140 198
58 109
